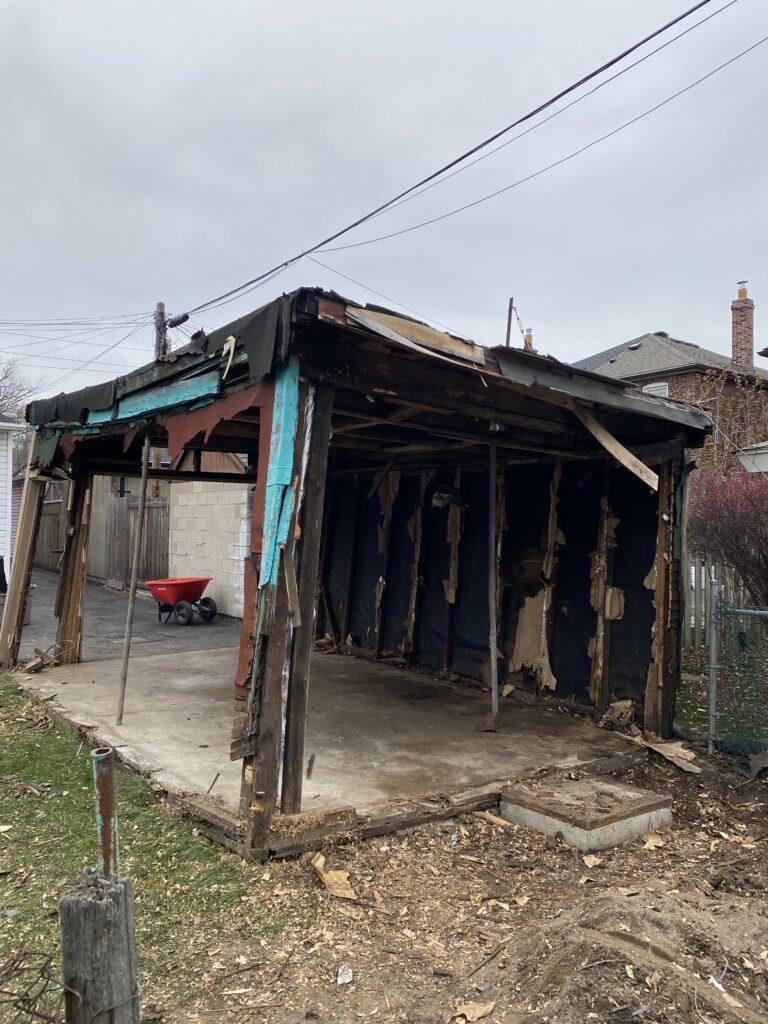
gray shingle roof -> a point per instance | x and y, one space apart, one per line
653 352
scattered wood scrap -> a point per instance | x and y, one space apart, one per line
336 882
43 659
674 752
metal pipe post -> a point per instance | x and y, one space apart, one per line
134 577
103 759
713 630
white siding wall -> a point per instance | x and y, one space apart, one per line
208 536
17 489
6 465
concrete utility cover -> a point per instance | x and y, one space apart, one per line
590 814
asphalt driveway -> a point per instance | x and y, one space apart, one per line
105 612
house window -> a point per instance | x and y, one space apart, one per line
660 388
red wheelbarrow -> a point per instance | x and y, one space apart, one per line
181 597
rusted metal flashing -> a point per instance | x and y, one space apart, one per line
184 426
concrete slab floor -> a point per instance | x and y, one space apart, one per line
374 733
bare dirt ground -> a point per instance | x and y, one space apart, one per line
465 919
512 926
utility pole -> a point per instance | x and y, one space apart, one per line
509 320
161 351
161 332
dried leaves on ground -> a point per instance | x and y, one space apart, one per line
458 918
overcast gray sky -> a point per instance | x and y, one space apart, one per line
171 151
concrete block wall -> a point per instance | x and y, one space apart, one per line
209 525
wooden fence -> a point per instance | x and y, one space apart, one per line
696 617
110 536
53 520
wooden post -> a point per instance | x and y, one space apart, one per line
659 691
21 565
262 734
409 642
492 576
601 591
98 952
70 597
311 528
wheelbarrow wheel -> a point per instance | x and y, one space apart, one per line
207 609
183 613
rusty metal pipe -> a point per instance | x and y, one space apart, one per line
103 760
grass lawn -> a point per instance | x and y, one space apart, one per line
194 902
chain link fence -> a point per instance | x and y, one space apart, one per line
724 689
741 681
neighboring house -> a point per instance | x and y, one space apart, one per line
731 388
209 528
7 429
754 458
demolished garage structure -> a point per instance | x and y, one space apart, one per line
392 465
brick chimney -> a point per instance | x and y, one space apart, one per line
743 330
528 339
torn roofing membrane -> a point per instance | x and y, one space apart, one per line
192 375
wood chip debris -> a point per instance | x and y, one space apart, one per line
472 1012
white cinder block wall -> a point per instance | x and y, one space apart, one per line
209 525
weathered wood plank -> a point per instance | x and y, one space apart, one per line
311 518
21 566
616 448
71 596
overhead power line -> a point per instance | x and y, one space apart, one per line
94 359
557 113
381 295
280 267
550 166
53 323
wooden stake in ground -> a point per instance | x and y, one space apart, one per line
134 577
98 952
98 932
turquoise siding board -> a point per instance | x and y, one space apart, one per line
164 396
279 493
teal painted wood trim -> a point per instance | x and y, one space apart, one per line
100 416
164 396
279 492
44 447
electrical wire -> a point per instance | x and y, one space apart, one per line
69 340
318 246
550 166
557 113
381 295
89 362
43 322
